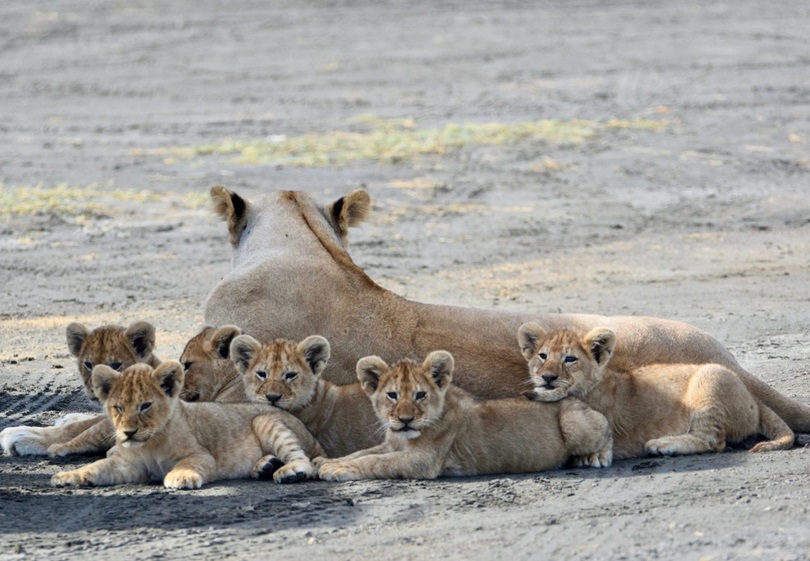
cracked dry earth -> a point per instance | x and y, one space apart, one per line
673 182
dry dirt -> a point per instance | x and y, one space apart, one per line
685 194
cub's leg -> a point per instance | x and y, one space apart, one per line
772 426
109 471
291 447
191 472
384 465
720 408
586 433
26 441
99 437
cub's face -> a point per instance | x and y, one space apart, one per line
206 359
408 397
111 345
140 400
282 373
564 362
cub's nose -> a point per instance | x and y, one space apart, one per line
405 420
549 378
130 433
272 397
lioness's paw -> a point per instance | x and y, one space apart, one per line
183 479
332 470
75 478
294 472
266 467
22 441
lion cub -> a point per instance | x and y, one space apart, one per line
435 428
660 409
288 376
158 436
111 345
210 373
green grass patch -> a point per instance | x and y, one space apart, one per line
394 141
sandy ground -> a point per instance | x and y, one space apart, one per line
683 194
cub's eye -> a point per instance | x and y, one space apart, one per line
145 406
570 359
261 374
88 365
392 396
420 396
290 375
186 366
118 408
115 366
542 356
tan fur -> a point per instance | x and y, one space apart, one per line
435 428
289 254
658 409
158 436
288 375
111 345
210 373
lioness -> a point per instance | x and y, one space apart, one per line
288 376
158 436
658 409
288 250
112 345
435 428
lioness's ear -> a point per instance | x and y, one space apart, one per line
369 371
528 336
349 211
103 378
222 338
440 365
232 209
243 349
600 342
316 352
141 335
76 334
169 376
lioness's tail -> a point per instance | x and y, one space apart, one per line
795 414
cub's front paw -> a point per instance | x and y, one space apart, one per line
545 395
266 467
183 479
75 478
601 459
294 472
335 470
59 450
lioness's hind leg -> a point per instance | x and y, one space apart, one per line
26 441
587 435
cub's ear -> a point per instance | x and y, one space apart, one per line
232 209
221 339
76 334
349 211
243 349
103 378
528 336
316 352
169 375
440 365
600 342
141 335
369 371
